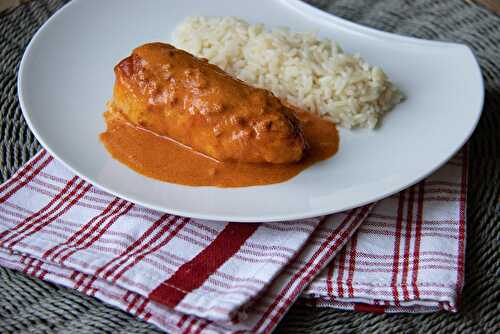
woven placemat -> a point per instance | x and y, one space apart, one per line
28 305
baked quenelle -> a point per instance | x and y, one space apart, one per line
174 94
176 118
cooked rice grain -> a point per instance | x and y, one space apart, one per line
313 74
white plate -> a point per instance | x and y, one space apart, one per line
66 77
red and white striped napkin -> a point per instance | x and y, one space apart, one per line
408 255
193 276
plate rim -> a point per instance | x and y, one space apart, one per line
309 10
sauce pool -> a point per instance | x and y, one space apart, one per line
166 160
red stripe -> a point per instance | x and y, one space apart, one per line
114 217
18 176
37 267
137 248
78 233
42 274
142 307
131 249
340 262
202 327
181 321
73 275
329 278
340 275
35 214
190 325
145 251
418 234
397 240
168 260
461 233
193 274
352 265
25 181
406 254
306 279
27 223
378 309
132 303
79 282
28 265
48 219
125 297
351 225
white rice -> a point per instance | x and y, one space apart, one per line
310 73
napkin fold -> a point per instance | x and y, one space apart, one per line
182 274
408 255
195 276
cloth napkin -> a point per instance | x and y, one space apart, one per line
408 255
194 276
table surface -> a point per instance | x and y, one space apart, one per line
34 306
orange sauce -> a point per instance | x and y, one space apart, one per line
165 160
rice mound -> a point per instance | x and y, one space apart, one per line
313 74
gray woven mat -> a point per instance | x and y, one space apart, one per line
28 305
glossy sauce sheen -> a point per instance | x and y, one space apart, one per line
165 160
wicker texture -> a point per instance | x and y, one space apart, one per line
31 306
